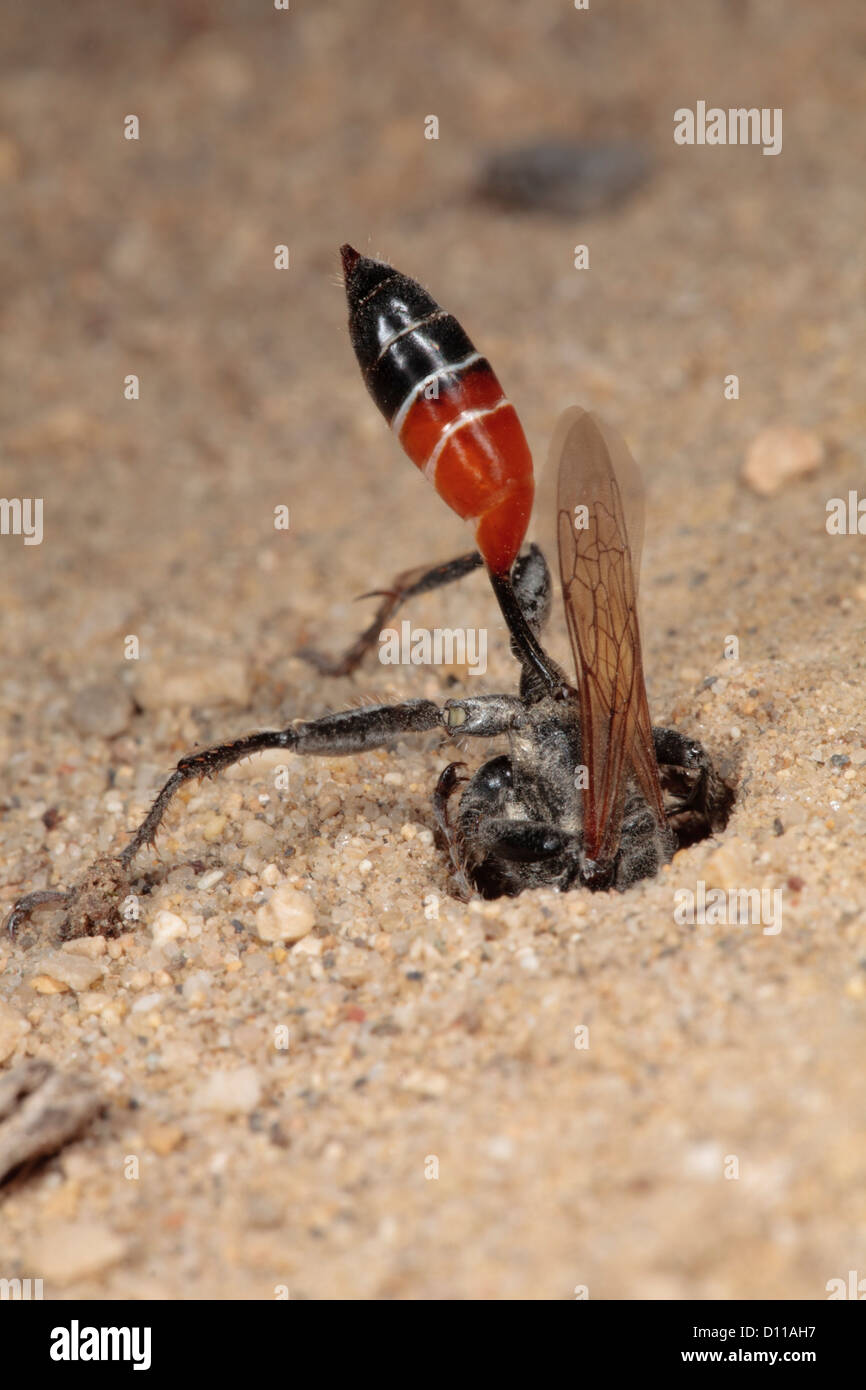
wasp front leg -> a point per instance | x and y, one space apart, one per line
703 799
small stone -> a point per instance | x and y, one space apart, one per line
167 926
211 878
212 830
310 946
78 971
253 831
94 1002
163 1139
12 1029
90 946
145 1002
425 1083
43 984
197 988
104 709
287 916
564 177
75 1250
779 453
229 1092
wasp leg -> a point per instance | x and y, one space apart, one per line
644 845
22 909
704 800
530 580
445 788
406 585
334 735
522 841
499 845
483 716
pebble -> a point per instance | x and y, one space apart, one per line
780 453
12 1029
167 926
211 878
309 946
74 972
563 177
425 1083
104 708
229 1092
43 984
75 1250
163 1139
91 946
287 916
197 988
146 1002
96 1002
212 830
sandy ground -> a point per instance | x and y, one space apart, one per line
424 1126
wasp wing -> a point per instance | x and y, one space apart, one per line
599 589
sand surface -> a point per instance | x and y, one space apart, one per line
395 1106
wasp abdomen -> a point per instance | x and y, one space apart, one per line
443 401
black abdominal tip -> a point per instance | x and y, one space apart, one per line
350 257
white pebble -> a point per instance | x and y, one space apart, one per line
287 916
167 926
78 972
197 988
211 878
146 1002
229 1092
779 453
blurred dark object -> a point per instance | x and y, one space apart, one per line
41 1110
563 177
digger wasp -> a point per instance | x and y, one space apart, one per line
589 793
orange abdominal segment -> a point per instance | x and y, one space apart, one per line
444 403
469 443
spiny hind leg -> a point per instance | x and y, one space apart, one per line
334 735
530 577
410 583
